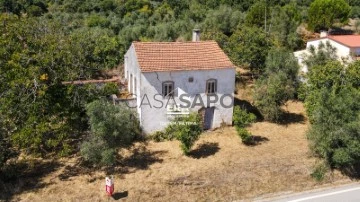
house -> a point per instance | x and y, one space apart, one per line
347 48
169 79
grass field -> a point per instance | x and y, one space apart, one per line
220 168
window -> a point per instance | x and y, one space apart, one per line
168 88
134 85
131 84
211 86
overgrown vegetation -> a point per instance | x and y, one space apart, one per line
46 42
112 126
323 13
277 85
242 119
186 129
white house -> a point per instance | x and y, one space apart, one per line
168 79
347 48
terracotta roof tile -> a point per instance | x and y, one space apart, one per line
173 56
347 40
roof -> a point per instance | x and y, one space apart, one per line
174 56
347 40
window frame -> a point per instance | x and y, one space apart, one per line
208 88
165 87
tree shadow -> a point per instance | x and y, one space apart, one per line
205 150
290 118
80 168
256 140
141 158
352 171
243 104
120 195
24 176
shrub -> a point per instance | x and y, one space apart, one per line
245 135
112 126
96 151
116 124
242 119
187 130
110 88
319 171
271 93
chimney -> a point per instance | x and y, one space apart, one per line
323 34
196 35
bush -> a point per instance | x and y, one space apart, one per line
110 88
319 171
245 135
96 151
187 130
242 119
112 126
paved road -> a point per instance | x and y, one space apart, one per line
346 193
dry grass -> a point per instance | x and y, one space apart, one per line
221 169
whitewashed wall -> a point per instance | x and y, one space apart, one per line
131 67
154 116
341 50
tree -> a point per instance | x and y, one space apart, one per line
277 85
112 127
333 110
334 132
248 47
283 26
324 53
40 114
323 13
258 14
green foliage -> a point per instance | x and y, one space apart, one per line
333 110
96 151
169 133
320 55
245 136
283 25
355 12
334 133
110 88
112 127
277 85
249 46
319 171
114 123
323 13
257 14
242 119
187 130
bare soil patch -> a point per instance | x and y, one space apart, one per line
220 168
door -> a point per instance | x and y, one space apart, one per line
207 117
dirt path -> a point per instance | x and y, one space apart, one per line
221 168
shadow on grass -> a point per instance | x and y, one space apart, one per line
256 140
120 195
248 107
290 118
24 176
352 171
141 158
205 150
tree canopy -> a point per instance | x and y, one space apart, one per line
323 13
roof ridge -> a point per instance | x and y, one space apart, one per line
168 42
